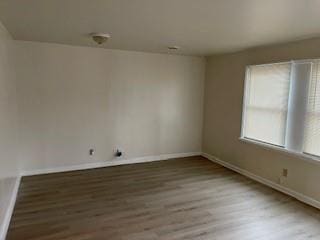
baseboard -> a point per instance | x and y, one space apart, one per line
299 196
110 163
5 225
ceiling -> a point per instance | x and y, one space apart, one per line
199 27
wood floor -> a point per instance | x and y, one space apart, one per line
188 198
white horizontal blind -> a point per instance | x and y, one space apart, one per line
266 102
312 124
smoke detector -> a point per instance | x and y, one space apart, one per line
100 38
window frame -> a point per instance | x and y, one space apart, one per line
265 145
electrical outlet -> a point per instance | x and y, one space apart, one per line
118 153
91 152
284 172
283 178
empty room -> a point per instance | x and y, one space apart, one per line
159 119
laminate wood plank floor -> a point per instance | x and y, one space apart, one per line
186 198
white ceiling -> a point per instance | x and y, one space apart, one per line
200 27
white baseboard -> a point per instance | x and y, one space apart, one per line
5 225
299 196
115 162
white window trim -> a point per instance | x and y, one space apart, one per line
275 148
268 146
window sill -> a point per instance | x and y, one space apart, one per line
303 156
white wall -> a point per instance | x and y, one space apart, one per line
75 98
8 108
9 165
57 101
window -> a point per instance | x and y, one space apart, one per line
266 103
282 105
312 133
